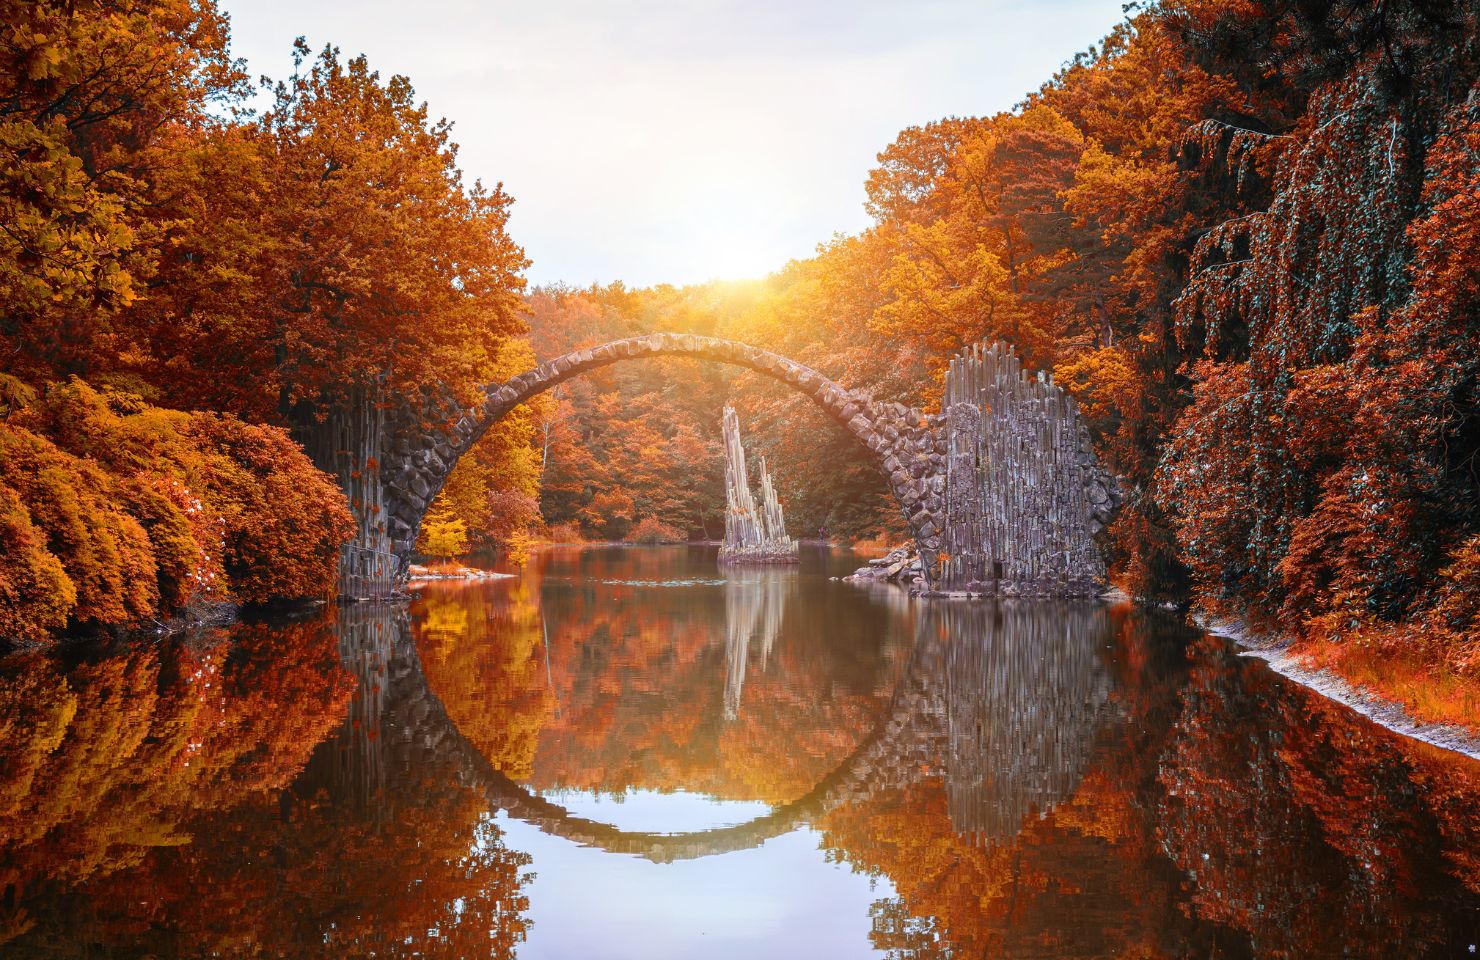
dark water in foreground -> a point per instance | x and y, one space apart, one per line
625 753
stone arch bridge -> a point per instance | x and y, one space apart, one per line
393 462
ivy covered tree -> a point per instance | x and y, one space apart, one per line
1325 468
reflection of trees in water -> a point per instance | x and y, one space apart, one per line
1025 691
1007 698
110 753
755 602
1217 811
1212 811
384 850
486 654
374 849
639 659
1009 839
1317 832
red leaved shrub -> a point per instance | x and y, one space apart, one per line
285 520
116 512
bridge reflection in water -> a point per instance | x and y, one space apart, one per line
1027 774
1002 700
1026 690
353 764
1019 780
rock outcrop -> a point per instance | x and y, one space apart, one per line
755 532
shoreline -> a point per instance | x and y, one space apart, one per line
423 574
181 626
1390 714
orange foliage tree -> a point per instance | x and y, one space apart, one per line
87 90
330 243
129 512
277 266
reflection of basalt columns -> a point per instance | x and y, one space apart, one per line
753 533
754 604
390 751
354 766
1026 691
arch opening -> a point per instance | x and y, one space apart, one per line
1004 470
905 445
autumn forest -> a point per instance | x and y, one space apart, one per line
1242 234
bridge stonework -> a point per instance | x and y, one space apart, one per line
422 442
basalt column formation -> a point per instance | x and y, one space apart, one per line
753 533
1023 492
349 444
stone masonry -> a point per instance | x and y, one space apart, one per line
423 440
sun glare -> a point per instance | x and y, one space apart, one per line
730 254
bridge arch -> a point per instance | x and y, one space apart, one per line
1001 491
906 446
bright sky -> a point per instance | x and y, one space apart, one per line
678 142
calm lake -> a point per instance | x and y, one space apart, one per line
626 752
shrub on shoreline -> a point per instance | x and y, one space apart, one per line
653 530
569 532
113 512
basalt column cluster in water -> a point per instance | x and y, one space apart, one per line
1023 493
754 532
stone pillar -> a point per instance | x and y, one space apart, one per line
753 534
1019 517
347 445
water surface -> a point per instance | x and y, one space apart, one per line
625 752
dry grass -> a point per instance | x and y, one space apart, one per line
1431 692
563 533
